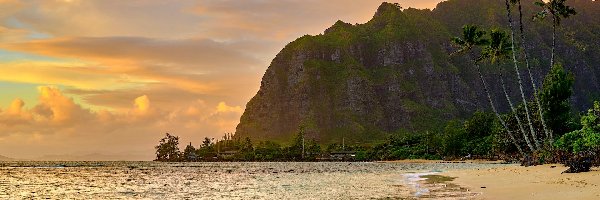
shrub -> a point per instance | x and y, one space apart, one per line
586 139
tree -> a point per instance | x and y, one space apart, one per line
313 149
558 10
207 149
520 81
453 139
583 145
207 142
247 145
526 57
168 149
480 125
498 49
268 151
296 150
246 150
471 38
189 153
555 95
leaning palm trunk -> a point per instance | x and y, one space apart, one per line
487 92
515 62
535 92
552 57
553 41
525 136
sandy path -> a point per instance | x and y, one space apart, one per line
540 182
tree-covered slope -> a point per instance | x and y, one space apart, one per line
394 73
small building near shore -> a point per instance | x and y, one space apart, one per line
227 154
342 155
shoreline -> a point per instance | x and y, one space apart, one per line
517 182
423 161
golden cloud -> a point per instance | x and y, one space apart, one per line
15 107
224 108
195 65
60 125
142 104
286 20
57 107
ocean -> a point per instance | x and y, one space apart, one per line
277 180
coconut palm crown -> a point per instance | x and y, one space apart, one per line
472 36
499 46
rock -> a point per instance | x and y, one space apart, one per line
579 163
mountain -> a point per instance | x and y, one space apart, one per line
94 157
394 74
4 158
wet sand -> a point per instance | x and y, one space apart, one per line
516 182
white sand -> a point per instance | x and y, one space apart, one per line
540 182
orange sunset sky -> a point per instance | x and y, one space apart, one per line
112 76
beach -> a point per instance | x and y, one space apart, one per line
517 182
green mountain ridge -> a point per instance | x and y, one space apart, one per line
394 73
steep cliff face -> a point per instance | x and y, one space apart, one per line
394 73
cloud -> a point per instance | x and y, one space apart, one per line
10 7
12 35
279 20
187 55
68 73
217 19
14 115
103 17
15 107
202 66
59 125
57 107
285 19
142 105
224 108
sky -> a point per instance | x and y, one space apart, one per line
111 77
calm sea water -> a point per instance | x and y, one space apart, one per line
153 180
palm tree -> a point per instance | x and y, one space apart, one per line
498 49
558 10
471 38
526 56
515 62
